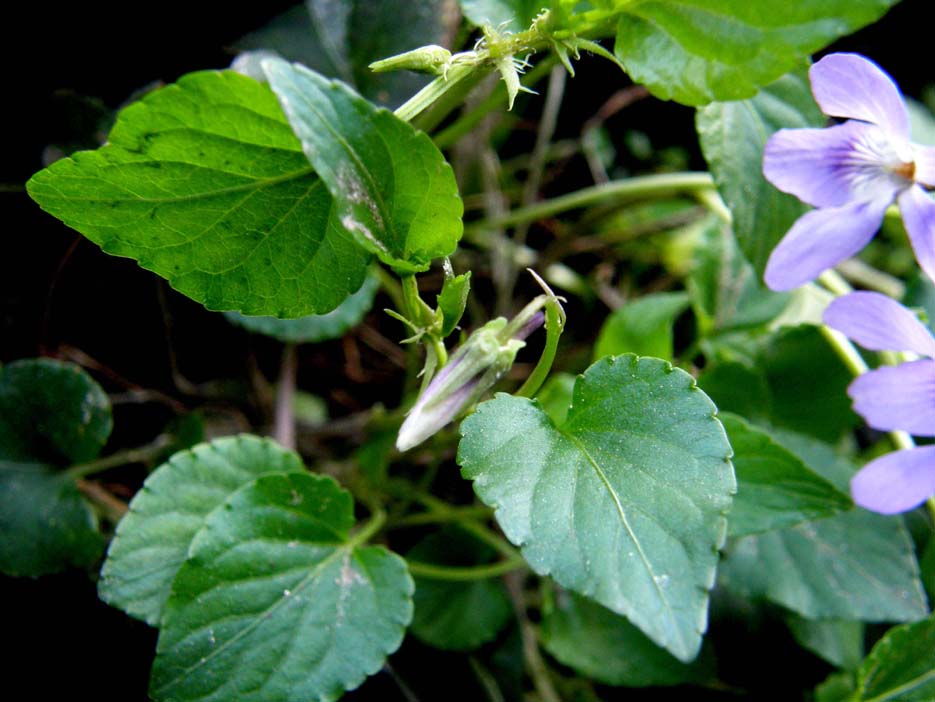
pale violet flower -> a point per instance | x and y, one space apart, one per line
891 398
850 172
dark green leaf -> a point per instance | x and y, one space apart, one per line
841 643
856 565
45 523
726 292
391 185
204 183
51 412
555 396
738 388
624 501
696 51
153 538
457 616
315 327
901 667
605 646
733 136
452 300
774 488
642 326
277 602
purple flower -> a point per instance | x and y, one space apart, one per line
891 398
851 172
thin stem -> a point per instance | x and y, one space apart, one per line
464 573
639 187
371 527
535 664
457 514
284 421
113 507
142 454
554 324
390 286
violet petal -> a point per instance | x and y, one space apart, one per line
831 167
897 398
821 239
924 159
918 211
896 482
879 323
854 87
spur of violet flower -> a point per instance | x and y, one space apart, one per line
850 172
891 398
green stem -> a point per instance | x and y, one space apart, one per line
390 286
554 324
456 514
142 454
371 527
461 573
434 91
631 188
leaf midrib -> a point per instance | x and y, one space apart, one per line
905 687
626 525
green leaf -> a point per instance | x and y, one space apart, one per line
204 183
514 15
457 616
45 523
153 539
733 136
556 395
736 387
315 327
901 667
841 643
696 51
605 646
857 565
624 501
642 326
277 602
837 687
452 300
774 488
51 412
726 292
392 188
341 39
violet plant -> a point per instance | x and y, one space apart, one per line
556 486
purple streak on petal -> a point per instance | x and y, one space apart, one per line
425 420
918 211
879 323
924 158
831 167
896 482
897 398
821 239
530 326
851 86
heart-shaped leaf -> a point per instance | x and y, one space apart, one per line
624 501
278 602
153 538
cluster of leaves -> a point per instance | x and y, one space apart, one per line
630 490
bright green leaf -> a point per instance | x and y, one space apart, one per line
733 136
605 646
153 538
696 51
277 602
204 183
642 326
315 327
839 642
51 412
452 300
856 565
624 501
901 666
774 488
457 616
45 523
392 188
